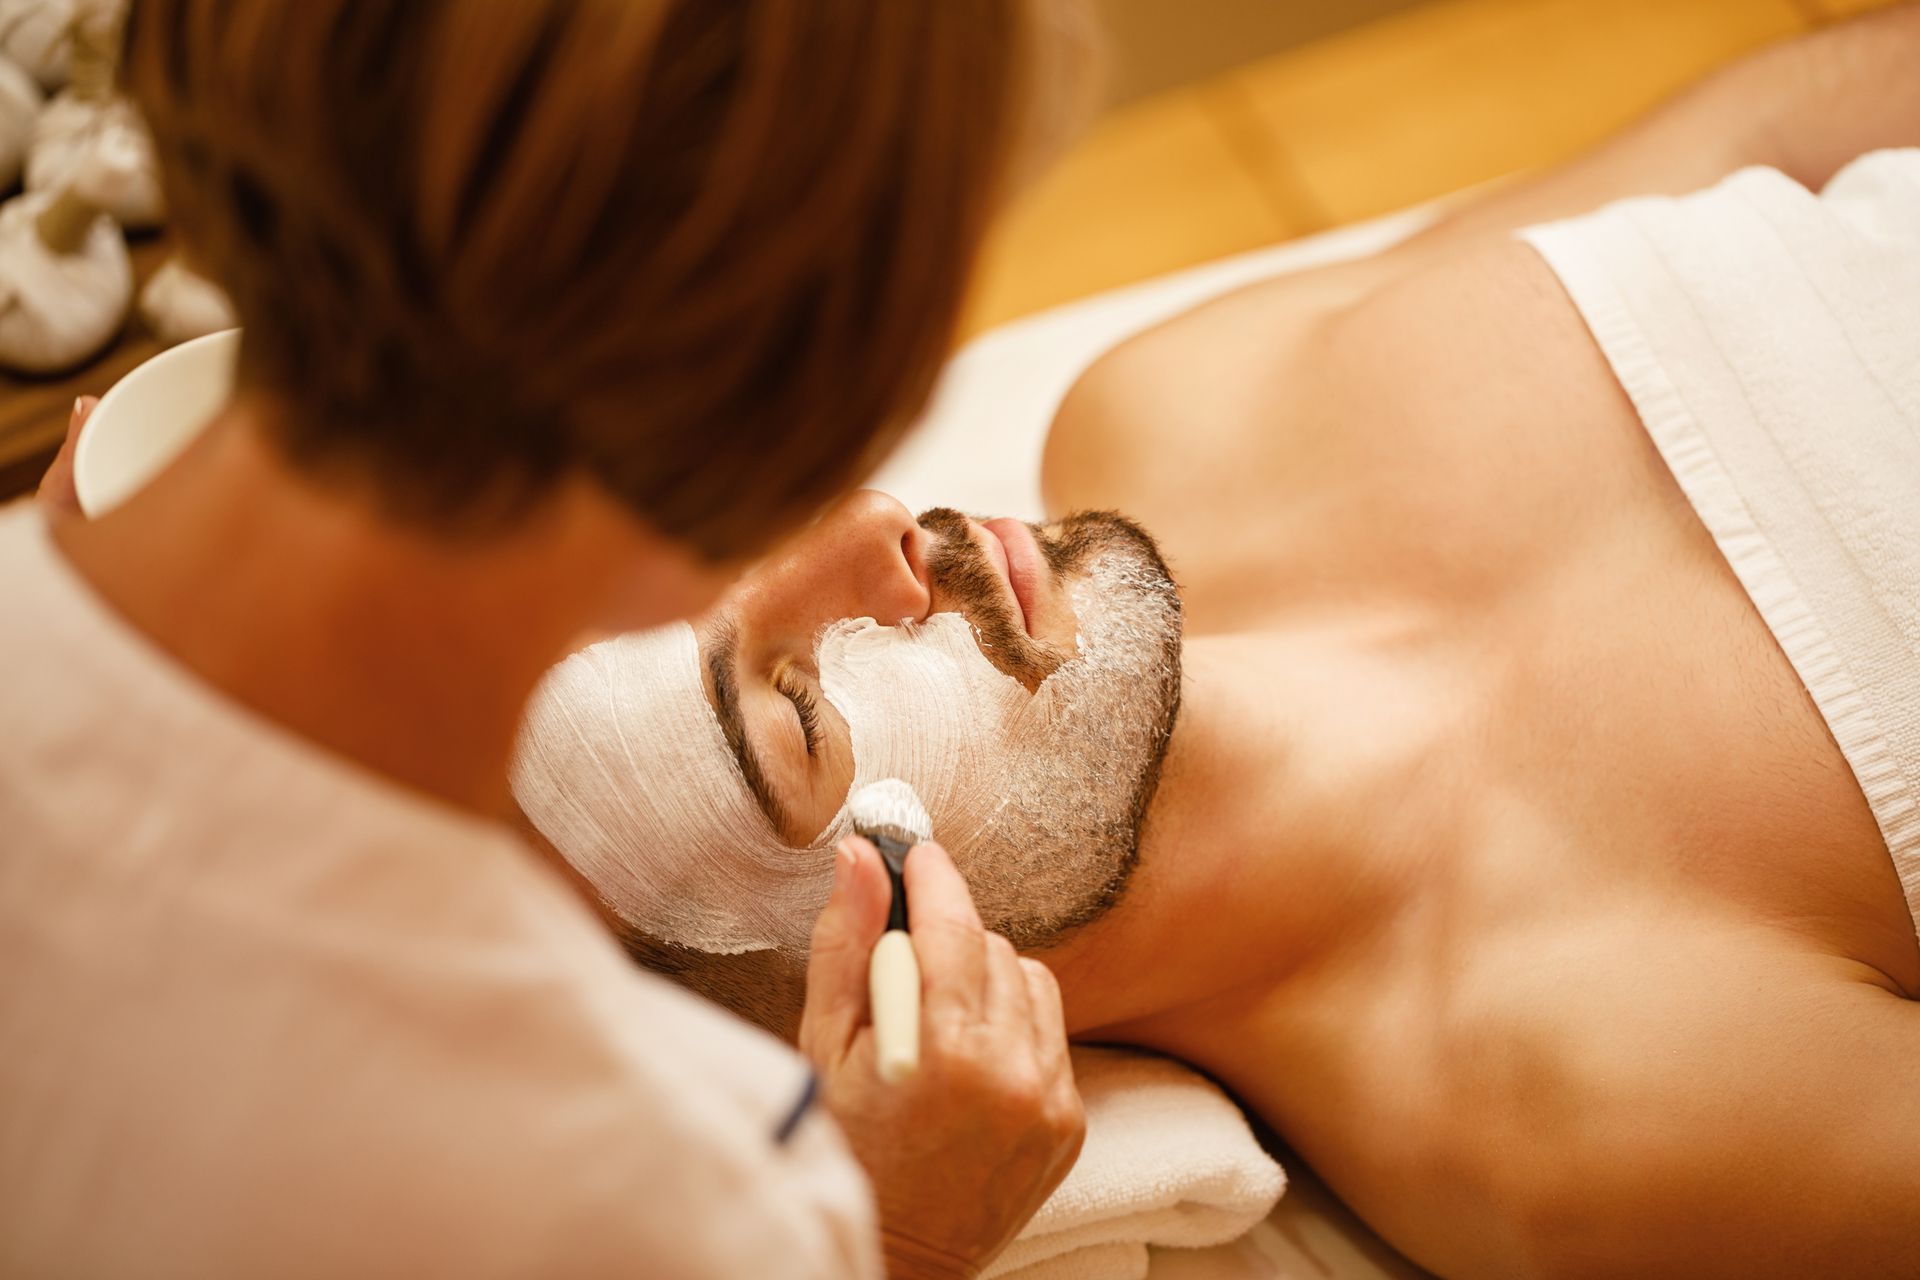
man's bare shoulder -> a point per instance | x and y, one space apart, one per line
1310 421
1427 332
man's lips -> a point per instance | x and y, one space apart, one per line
1022 562
996 553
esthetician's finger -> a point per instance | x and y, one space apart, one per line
1066 1112
1008 1006
852 921
57 493
947 936
1049 1018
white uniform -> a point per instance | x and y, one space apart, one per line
263 1013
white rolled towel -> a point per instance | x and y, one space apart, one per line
1169 1161
180 305
38 35
74 131
59 303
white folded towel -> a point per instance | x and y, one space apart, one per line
1169 1160
1770 339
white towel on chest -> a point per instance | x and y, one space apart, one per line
1169 1160
1770 339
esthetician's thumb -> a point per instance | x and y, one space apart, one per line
843 938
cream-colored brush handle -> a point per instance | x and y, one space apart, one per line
893 984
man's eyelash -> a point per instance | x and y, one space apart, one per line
804 707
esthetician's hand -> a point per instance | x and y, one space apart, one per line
56 487
965 1151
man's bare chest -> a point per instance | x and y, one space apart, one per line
1450 473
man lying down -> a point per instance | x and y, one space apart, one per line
1510 823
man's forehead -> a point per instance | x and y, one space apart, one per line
683 725
623 767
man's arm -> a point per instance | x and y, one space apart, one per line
1806 107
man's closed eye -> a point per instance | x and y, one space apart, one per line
790 685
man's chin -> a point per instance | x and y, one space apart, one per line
1063 837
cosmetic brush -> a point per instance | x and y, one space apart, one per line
890 815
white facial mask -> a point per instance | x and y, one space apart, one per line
623 766
922 703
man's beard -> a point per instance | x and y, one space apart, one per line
1063 838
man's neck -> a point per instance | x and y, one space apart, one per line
1255 859
409 654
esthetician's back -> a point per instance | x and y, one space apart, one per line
266 1014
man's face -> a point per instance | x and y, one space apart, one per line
1024 680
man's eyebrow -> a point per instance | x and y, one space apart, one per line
723 662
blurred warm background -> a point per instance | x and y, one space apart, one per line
1237 123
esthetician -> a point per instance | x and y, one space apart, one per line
556 313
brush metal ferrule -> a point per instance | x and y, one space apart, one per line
893 844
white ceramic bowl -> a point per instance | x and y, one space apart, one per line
151 416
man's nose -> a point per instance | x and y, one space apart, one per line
867 557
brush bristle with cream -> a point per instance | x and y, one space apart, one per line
890 814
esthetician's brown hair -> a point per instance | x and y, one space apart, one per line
708 251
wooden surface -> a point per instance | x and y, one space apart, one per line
1150 189
1384 115
34 411
1157 45
1453 95
1828 9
